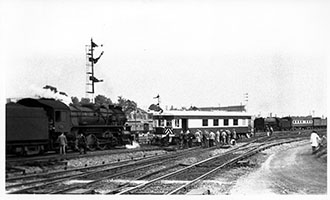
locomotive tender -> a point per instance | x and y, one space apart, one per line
33 125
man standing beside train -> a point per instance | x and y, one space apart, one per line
63 143
82 144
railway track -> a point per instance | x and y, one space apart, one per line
45 183
33 181
133 176
36 183
178 181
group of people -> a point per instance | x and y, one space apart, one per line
81 143
208 138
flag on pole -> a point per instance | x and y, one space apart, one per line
97 59
92 78
93 44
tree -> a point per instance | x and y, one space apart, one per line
75 100
85 100
102 100
127 105
155 107
193 108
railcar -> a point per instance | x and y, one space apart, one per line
319 122
285 124
103 126
171 123
300 123
290 123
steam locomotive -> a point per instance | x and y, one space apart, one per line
33 126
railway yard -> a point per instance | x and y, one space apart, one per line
251 166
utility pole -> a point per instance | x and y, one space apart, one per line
246 99
90 61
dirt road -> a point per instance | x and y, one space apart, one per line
291 171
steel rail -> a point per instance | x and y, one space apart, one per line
178 171
246 154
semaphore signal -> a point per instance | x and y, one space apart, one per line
90 62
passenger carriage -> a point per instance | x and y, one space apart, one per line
173 122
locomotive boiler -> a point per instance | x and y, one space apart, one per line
103 125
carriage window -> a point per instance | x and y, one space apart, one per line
205 122
215 122
235 122
226 122
176 122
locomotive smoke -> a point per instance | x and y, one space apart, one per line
36 92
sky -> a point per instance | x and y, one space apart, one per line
191 53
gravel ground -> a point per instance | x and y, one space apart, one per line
262 176
86 161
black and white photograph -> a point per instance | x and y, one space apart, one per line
185 98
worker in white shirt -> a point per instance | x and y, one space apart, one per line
315 139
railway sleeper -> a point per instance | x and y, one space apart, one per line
243 163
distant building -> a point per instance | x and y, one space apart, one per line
140 120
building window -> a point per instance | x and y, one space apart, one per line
235 122
205 122
168 123
226 122
177 124
215 122
161 122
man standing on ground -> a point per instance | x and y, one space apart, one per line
315 139
63 143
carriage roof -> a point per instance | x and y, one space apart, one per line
202 114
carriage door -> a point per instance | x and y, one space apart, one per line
184 124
